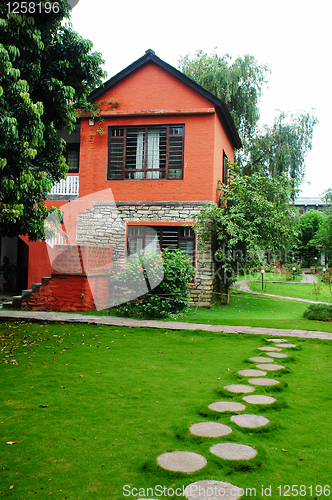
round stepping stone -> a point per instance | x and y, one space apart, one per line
233 451
252 373
181 461
263 381
258 359
210 429
239 388
226 406
212 490
268 348
286 345
250 421
259 400
277 355
277 340
270 368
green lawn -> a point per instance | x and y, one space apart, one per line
91 408
301 290
267 277
246 309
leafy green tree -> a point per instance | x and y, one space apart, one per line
238 83
46 71
308 224
323 237
255 217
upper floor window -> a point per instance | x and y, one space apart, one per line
225 168
72 155
145 152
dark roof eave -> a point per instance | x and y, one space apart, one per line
223 113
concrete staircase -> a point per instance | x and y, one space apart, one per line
16 301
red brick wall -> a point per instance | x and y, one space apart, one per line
71 286
152 96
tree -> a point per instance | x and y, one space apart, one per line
282 148
308 224
323 237
273 151
46 71
254 217
239 84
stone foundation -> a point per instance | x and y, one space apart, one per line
106 223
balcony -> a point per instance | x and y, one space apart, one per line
55 235
67 189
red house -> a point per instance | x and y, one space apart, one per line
139 170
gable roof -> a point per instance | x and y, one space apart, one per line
223 113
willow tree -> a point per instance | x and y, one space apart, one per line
277 150
238 83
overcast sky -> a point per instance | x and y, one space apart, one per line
293 38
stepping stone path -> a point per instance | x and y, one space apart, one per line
233 451
250 421
210 429
239 388
277 340
286 345
181 461
257 359
263 381
259 400
277 354
227 406
212 490
269 348
252 373
270 367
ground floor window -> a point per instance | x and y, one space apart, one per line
158 237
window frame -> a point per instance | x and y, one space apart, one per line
70 147
161 228
225 168
122 141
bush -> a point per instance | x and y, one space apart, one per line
319 312
290 272
167 276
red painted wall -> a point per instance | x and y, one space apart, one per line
79 282
149 96
152 96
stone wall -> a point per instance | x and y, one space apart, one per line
105 225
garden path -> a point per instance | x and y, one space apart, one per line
183 461
8 315
243 286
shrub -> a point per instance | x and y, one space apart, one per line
320 312
167 276
290 272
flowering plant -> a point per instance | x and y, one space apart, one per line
159 282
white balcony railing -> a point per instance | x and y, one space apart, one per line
55 235
66 187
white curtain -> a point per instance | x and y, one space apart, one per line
139 155
153 154
151 239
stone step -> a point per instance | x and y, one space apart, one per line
17 299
